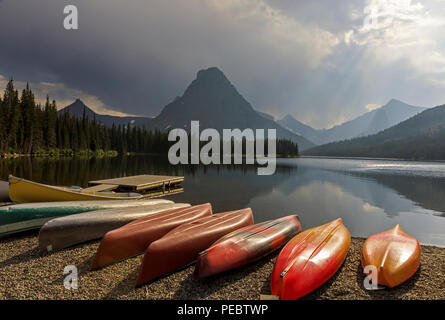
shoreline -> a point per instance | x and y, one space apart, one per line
370 158
25 273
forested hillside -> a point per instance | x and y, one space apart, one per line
421 137
27 127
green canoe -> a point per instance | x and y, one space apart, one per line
21 217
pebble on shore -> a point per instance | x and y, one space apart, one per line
25 273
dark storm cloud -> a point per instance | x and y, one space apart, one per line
284 56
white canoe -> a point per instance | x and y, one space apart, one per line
67 231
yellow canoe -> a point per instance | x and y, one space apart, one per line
22 191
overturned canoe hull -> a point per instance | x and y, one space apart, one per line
310 259
67 231
246 245
394 253
134 238
181 246
27 216
24 191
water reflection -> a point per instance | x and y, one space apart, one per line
368 200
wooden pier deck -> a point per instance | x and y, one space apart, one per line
138 183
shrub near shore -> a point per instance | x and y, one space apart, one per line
55 152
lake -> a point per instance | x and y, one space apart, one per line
370 195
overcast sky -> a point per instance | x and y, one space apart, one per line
321 61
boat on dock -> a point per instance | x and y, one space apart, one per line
124 188
181 246
133 238
27 216
246 245
67 231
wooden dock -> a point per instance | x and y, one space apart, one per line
161 193
140 183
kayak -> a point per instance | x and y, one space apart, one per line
4 191
246 245
310 259
181 246
27 216
67 231
23 191
394 253
133 238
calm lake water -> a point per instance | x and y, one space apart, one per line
370 195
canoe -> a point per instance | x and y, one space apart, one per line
27 216
181 246
310 259
4 191
23 191
394 253
134 238
67 231
246 245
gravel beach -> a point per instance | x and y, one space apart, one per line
25 273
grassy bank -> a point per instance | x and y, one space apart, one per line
63 153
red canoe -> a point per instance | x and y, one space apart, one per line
394 253
181 246
133 238
309 260
246 245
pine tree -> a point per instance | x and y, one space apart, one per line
11 116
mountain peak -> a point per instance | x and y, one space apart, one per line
395 102
210 73
288 117
211 77
210 84
78 106
216 103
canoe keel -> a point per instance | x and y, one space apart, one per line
309 260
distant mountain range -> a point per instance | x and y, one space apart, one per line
374 121
420 137
298 127
77 109
216 103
